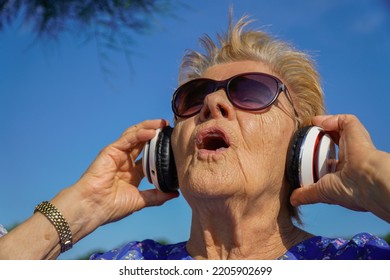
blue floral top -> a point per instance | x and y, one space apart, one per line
363 246
3 231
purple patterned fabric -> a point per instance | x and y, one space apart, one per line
3 231
363 246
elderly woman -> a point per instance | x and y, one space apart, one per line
235 112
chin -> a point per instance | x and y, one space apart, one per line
210 183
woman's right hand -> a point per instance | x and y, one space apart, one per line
108 190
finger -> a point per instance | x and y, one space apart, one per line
342 123
305 195
148 124
333 130
318 120
144 135
139 133
136 150
329 189
347 125
321 191
155 197
137 173
312 194
327 122
354 130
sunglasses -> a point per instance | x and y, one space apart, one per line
246 91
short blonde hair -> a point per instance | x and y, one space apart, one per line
296 69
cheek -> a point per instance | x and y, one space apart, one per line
181 146
267 142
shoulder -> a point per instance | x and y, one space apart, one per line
362 246
145 250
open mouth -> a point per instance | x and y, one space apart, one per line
212 140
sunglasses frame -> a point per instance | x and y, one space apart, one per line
224 84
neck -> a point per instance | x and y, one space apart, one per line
239 229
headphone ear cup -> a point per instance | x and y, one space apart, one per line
293 164
311 155
165 162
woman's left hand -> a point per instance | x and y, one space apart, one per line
361 181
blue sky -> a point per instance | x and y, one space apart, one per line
57 109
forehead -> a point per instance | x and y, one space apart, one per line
227 70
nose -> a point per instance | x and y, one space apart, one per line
216 105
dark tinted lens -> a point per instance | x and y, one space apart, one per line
190 96
253 92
